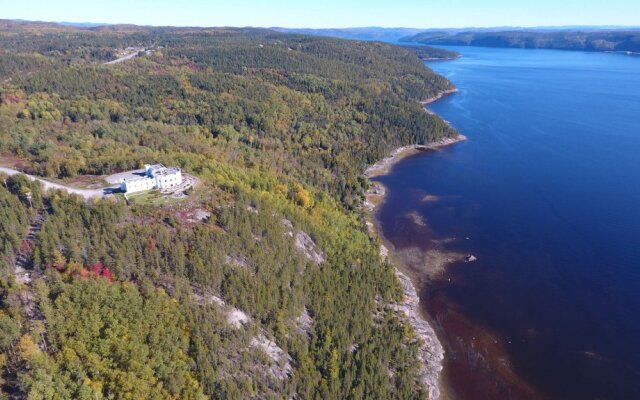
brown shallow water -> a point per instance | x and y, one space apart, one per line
476 365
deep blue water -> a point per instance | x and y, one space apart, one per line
547 190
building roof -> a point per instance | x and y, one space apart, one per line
154 167
136 179
167 171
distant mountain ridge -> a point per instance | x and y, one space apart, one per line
594 40
366 33
579 37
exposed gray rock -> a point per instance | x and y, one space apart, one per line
202 215
431 352
236 318
304 321
384 252
305 244
280 366
238 260
281 361
288 226
378 189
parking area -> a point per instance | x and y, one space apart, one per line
117 178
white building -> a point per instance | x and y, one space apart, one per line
137 184
156 177
149 170
167 178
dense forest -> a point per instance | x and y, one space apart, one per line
622 41
428 53
277 289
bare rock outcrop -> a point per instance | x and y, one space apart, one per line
238 260
304 243
235 317
304 322
280 367
431 352
280 361
309 248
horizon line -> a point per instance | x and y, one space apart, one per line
89 24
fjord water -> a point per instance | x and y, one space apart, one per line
546 193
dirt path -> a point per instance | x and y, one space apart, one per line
86 193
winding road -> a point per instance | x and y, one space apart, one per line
86 193
128 56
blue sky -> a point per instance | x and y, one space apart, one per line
331 13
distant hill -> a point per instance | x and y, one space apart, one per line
83 24
592 40
24 22
390 35
367 33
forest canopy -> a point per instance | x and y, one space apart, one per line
103 299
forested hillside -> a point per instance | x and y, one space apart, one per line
427 53
560 40
276 289
370 33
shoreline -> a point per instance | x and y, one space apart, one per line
383 166
442 58
432 351
431 100
416 268
439 96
